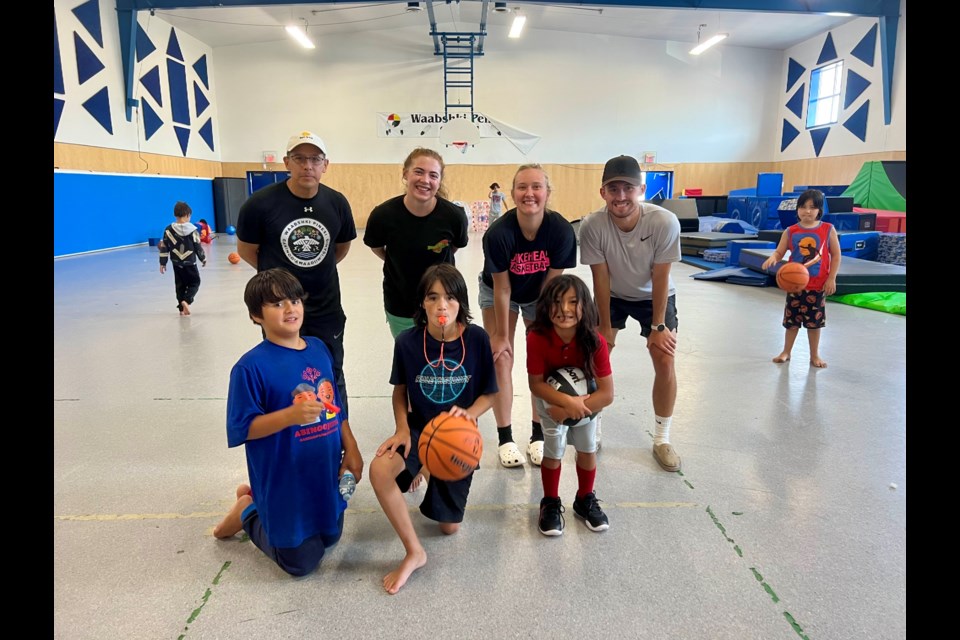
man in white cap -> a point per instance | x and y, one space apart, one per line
630 246
306 228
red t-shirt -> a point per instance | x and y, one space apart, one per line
546 352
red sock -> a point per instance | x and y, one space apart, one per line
551 481
585 478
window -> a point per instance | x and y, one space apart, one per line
823 107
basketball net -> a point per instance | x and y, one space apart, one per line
461 146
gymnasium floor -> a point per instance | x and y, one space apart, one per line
787 521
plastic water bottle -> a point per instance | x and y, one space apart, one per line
348 484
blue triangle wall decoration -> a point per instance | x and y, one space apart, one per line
177 85
151 121
819 136
57 64
98 106
794 71
151 82
789 135
88 64
183 137
856 84
199 99
200 68
795 104
173 46
206 132
867 47
57 112
88 14
829 51
857 123
145 45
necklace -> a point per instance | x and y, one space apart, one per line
443 363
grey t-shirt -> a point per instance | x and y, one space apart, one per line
630 256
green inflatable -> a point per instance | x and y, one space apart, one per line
890 301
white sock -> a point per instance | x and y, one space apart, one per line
662 433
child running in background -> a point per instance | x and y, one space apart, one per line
815 245
564 333
181 244
442 363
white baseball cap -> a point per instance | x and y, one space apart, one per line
306 137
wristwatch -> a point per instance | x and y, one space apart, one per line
661 327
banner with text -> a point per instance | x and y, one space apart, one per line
427 125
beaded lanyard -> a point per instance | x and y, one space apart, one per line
443 363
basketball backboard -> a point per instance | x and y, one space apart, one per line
460 133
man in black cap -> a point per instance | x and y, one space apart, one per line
630 246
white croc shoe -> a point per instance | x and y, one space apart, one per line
510 455
535 452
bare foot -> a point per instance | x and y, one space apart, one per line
231 523
184 309
818 363
421 478
783 357
244 489
394 580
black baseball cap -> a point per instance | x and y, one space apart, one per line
625 168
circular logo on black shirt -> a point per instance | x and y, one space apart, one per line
305 242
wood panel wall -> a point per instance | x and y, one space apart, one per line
575 187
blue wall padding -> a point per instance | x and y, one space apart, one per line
734 247
94 211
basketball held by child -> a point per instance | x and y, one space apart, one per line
450 447
792 277
573 382
234 258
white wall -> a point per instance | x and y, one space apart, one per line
840 141
587 96
77 126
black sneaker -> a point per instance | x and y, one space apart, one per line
551 517
588 509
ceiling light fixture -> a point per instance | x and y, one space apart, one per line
706 44
500 7
517 27
413 6
300 35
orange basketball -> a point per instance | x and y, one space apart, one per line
792 277
450 447
234 258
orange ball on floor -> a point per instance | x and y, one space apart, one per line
234 258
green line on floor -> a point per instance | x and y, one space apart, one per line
206 596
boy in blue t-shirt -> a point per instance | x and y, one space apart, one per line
297 445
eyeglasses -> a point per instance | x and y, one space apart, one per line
305 160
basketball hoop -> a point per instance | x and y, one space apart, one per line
460 146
